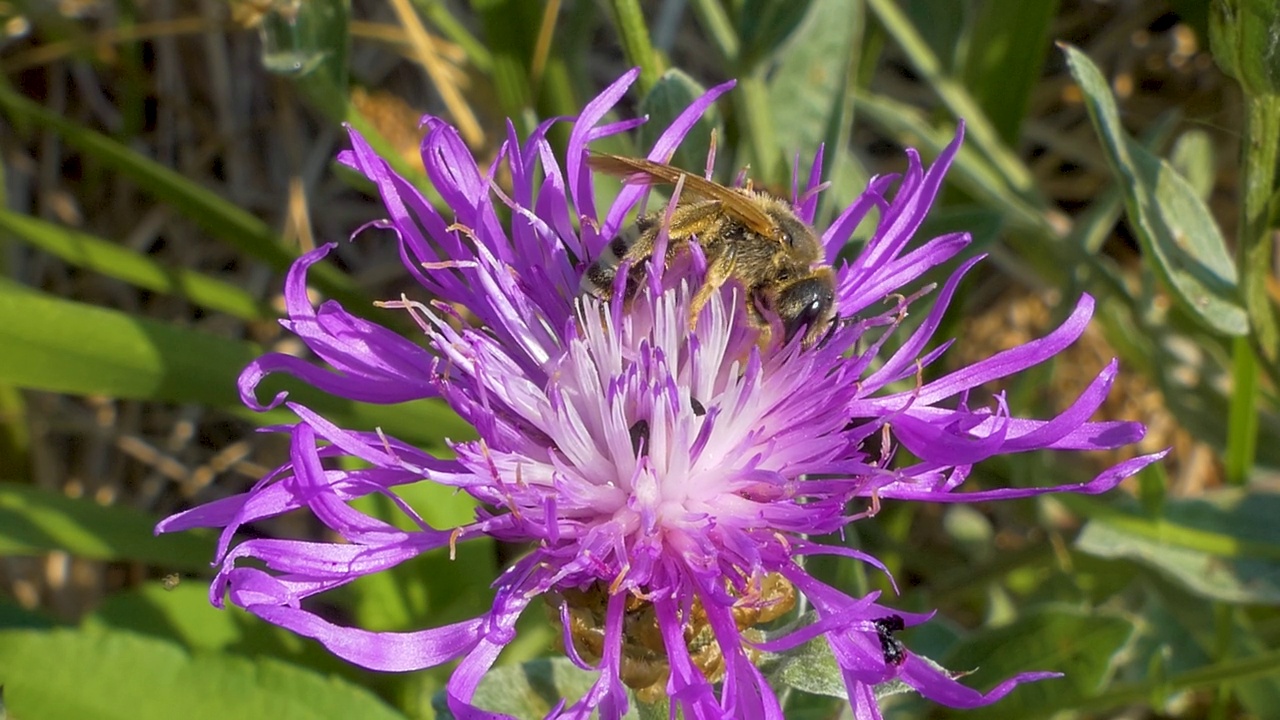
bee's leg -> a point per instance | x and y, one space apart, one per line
719 272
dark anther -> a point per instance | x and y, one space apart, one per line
895 653
698 409
639 436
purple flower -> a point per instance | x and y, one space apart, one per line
668 480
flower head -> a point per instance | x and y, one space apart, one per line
668 479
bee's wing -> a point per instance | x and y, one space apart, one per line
646 172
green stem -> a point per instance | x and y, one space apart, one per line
635 41
1223 629
439 15
718 27
1259 153
1242 421
15 437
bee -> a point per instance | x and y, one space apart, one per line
746 235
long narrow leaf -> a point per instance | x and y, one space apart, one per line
1177 232
217 215
63 346
93 253
1012 170
1007 49
37 521
96 675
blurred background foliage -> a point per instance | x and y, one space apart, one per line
164 160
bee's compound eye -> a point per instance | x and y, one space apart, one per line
804 304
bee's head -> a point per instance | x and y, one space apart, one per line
806 304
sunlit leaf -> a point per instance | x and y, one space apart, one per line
674 92
1224 546
33 520
64 346
1082 645
1177 233
812 668
530 690
184 614
934 70
308 43
438 587
1006 50
1242 34
113 260
1192 156
809 91
108 675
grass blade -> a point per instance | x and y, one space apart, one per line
63 346
93 253
34 521
218 216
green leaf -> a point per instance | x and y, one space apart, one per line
674 92
1007 48
184 614
972 170
1242 34
1192 156
308 42
215 214
718 29
942 25
634 35
1260 695
63 346
15 434
1011 171
810 89
763 25
37 521
811 668
97 675
433 588
112 260
1259 217
1083 645
1224 546
15 617
530 690
660 710
1177 634
507 28
1176 231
